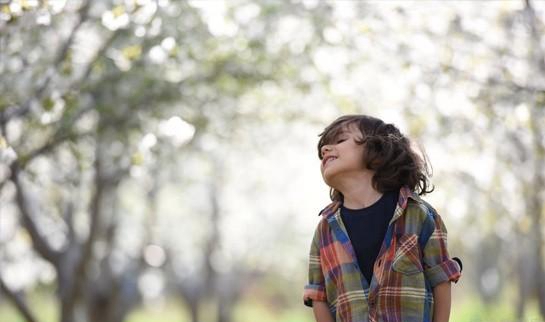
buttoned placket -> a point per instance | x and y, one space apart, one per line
370 289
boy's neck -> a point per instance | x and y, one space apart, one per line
358 192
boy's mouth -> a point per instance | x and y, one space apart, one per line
327 159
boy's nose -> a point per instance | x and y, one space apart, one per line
325 149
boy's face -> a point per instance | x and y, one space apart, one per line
343 157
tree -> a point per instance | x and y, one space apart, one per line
75 117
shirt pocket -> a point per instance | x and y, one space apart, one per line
407 258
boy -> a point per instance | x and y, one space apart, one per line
380 251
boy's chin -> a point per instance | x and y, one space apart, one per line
328 179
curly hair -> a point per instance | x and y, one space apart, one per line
387 152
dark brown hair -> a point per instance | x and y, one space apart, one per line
387 152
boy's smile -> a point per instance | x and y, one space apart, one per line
326 160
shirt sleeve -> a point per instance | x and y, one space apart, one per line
315 288
438 266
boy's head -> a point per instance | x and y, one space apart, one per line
380 148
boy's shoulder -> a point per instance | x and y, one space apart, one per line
416 206
421 217
325 213
329 210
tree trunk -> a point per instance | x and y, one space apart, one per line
534 201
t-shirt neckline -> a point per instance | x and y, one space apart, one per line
350 210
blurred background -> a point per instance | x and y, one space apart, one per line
158 158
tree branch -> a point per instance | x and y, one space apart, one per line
511 85
60 57
98 54
57 138
66 122
81 269
83 16
68 217
539 56
39 242
18 301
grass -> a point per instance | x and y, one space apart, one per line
166 311
467 309
43 306
472 309
252 310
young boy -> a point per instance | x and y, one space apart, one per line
379 253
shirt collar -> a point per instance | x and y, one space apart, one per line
404 194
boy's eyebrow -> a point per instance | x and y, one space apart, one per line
337 133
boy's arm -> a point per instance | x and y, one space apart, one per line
315 291
441 302
321 312
440 270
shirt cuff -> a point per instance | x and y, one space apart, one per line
448 270
314 292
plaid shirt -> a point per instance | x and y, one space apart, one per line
404 274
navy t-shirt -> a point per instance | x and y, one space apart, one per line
367 227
